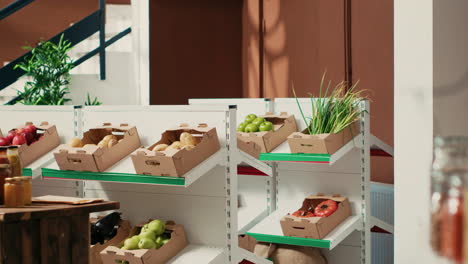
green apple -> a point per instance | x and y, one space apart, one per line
146 243
266 126
131 243
148 234
157 226
250 118
164 242
251 128
241 127
258 121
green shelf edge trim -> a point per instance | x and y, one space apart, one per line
296 241
27 172
295 157
113 177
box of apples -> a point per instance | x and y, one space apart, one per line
317 217
33 141
268 131
153 243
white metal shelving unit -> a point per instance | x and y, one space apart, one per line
346 172
206 200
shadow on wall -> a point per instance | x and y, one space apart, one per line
303 39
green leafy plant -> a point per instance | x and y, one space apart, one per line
49 67
90 102
335 108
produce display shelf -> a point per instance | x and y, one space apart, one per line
283 154
34 169
261 166
123 172
197 254
269 230
248 217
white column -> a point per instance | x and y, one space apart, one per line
413 40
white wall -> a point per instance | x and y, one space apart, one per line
450 67
413 128
119 88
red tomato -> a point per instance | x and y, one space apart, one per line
303 213
326 208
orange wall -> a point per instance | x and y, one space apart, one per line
39 20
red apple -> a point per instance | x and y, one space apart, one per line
30 129
4 142
29 137
19 130
10 136
19 139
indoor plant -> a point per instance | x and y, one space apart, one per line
49 69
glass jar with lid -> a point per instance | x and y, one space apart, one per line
449 172
5 172
14 160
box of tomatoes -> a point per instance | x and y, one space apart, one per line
317 217
178 151
267 131
33 141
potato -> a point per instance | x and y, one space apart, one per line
189 147
175 145
103 144
187 139
120 140
109 137
160 147
112 142
75 143
89 145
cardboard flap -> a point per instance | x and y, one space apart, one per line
334 197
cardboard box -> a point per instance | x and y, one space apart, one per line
288 254
247 242
302 142
251 148
49 141
96 159
177 243
283 126
316 227
177 162
122 233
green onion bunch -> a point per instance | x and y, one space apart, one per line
334 109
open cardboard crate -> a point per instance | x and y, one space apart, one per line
178 241
316 227
283 126
123 232
177 162
92 158
47 142
251 148
303 142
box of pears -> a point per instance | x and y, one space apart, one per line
267 131
178 151
100 148
153 243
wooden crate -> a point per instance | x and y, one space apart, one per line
47 233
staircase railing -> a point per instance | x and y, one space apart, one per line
75 34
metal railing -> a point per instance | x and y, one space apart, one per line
75 34
13 7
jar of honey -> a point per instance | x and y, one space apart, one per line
19 190
3 155
14 160
4 173
9 193
27 182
